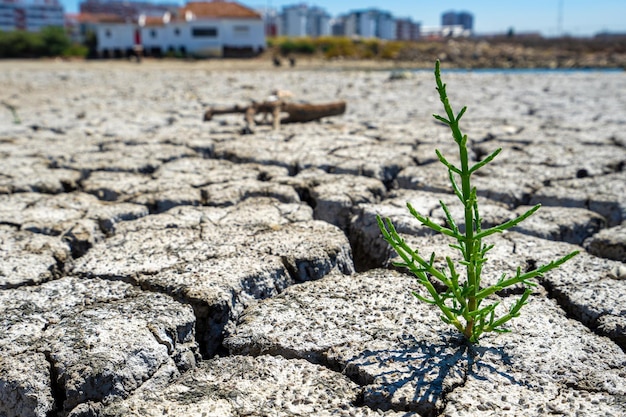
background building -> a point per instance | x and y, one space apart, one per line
407 30
371 23
463 19
302 20
218 28
30 15
271 19
126 9
318 22
293 20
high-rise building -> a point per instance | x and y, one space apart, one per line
302 20
30 15
318 22
126 9
370 23
407 29
293 22
463 19
466 20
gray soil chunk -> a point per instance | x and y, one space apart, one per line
334 196
58 215
370 248
591 289
379 335
341 154
76 218
240 386
349 324
141 189
124 156
34 173
218 259
30 258
260 227
226 194
609 243
219 290
25 386
606 195
572 225
97 341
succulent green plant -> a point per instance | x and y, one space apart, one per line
13 110
463 302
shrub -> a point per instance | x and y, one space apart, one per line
297 46
334 47
76 50
50 41
391 50
55 41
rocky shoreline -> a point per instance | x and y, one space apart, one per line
155 264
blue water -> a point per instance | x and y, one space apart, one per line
524 70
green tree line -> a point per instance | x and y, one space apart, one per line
49 41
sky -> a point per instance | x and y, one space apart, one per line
550 17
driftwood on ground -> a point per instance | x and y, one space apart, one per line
296 112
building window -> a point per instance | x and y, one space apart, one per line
204 32
241 30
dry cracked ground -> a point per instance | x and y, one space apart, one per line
153 264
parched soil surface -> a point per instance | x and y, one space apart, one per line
155 264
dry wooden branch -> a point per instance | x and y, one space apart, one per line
296 112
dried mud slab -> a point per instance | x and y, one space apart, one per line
30 258
219 259
87 341
372 329
240 386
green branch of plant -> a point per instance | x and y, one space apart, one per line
13 110
462 301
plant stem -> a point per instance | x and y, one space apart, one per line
467 200
469 227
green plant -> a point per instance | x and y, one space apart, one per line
390 50
13 110
336 46
297 45
463 301
49 41
76 50
55 40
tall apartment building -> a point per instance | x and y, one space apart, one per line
318 22
302 20
370 23
293 20
126 9
464 19
30 15
407 30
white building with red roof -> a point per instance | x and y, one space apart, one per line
216 28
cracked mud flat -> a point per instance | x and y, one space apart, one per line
153 264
